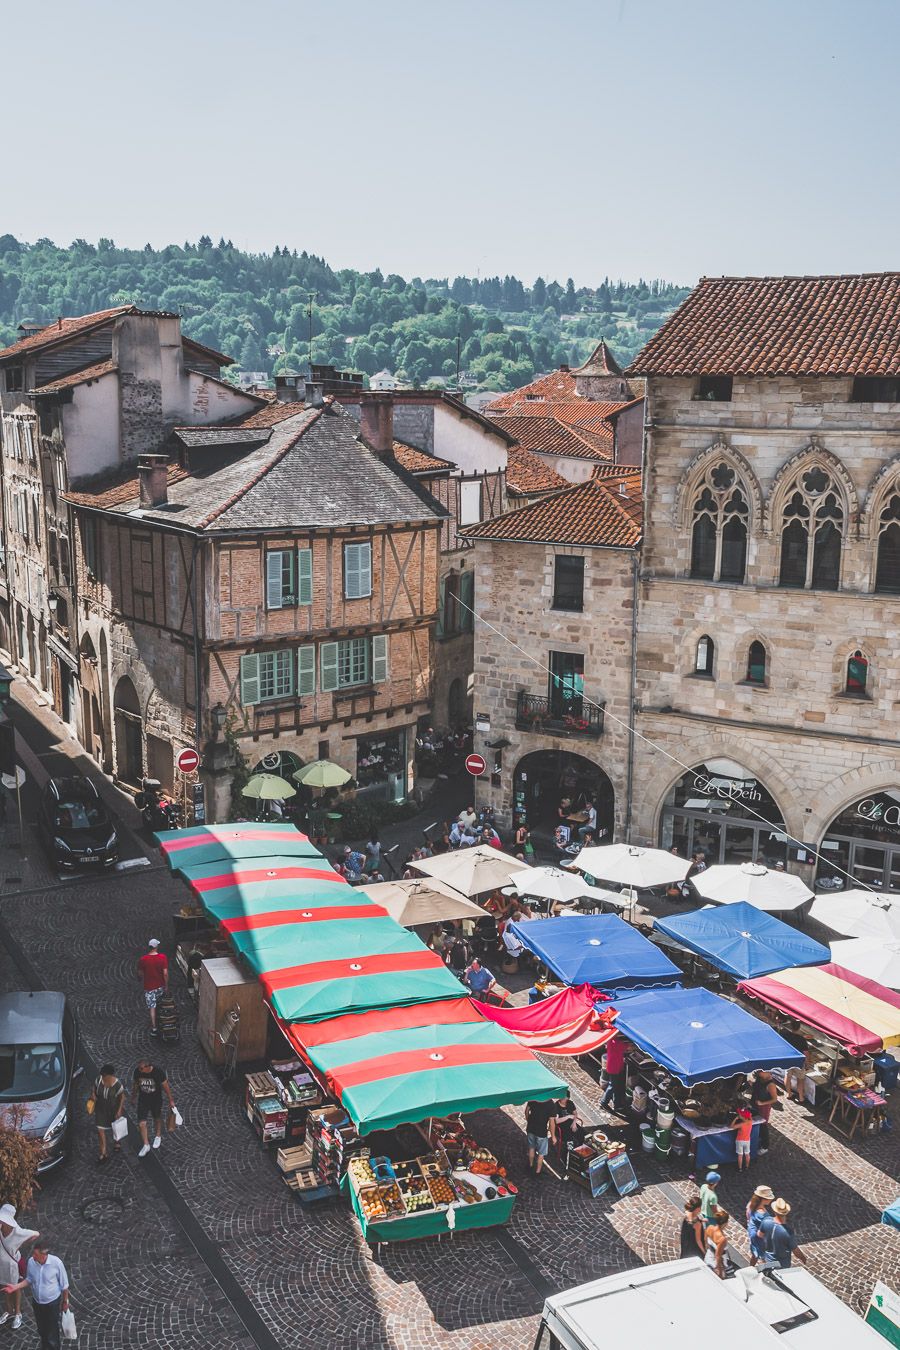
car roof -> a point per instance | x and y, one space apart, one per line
75 787
31 1018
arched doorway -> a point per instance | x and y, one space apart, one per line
129 733
864 841
543 778
723 810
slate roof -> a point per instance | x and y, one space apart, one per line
594 514
600 362
547 435
528 476
85 376
202 437
833 325
313 472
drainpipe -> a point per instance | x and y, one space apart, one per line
198 684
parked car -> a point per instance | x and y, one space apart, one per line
38 1051
76 827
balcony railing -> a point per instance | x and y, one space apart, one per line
535 713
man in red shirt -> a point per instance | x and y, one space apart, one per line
154 971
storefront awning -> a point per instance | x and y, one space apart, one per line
204 844
743 940
597 949
698 1036
859 1013
408 1064
567 1023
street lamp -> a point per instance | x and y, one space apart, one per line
219 716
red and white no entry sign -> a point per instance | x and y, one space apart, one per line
187 761
475 765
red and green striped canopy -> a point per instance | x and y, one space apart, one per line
202 844
407 1064
254 877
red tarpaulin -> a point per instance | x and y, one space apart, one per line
565 1024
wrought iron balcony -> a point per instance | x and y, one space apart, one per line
536 713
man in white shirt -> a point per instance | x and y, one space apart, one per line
514 945
590 823
467 818
49 1291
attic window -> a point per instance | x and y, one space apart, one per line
714 389
875 389
15 378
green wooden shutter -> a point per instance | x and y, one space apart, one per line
466 602
365 569
249 680
439 629
304 576
306 669
379 658
273 579
328 667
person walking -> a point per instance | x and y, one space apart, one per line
12 1239
108 1097
693 1242
153 969
717 1242
540 1129
150 1081
763 1095
759 1221
49 1283
709 1199
373 854
782 1244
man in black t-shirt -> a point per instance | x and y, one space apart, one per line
148 1085
540 1126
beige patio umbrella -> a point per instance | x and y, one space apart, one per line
860 914
472 871
422 900
268 787
322 773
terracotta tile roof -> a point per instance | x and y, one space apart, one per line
600 362
559 384
64 329
593 514
119 488
547 435
840 325
270 415
419 461
620 407
94 372
529 476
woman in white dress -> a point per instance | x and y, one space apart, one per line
12 1239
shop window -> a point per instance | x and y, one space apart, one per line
719 529
566 691
812 533
568 582
357 571
857 675
756 664
705 656
266 676
714 389
288 577
887 569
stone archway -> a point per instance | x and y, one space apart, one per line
129 733
544 777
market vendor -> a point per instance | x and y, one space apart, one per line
763 1095
616 1073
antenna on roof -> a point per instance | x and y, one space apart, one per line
311 296
458 345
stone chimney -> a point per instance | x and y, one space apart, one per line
153 475
314 394
376 419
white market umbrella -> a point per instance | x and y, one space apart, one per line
420 901
639 868
860 914
471 871
873 958
549 883
764 887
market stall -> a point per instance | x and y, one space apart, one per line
597 949
694 1052
742 940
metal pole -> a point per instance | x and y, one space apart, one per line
19 805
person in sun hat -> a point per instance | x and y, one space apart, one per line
153 969
781 1243
709 1200
12 1238
759 1221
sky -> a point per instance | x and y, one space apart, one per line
629 138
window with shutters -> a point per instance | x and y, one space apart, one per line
288 577
353 662
266 676
357 571
90 544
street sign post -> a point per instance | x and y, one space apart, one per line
475 765
188 761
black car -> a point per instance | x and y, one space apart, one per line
76 826
38 1051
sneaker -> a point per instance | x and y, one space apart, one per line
142 1153
5 1318
154 1031
762 1151
157 1141
17 1322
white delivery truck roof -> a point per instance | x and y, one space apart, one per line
677 1301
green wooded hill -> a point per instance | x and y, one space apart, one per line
255 307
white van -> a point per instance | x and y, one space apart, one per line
681 1303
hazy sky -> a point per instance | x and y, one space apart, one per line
646 138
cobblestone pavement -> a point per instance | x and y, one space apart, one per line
202 1245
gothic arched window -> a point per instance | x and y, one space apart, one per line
756 663
705 656
719 527
812 532
887 569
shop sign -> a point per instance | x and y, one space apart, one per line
482 722
728 788
883 1313
875 810
199 803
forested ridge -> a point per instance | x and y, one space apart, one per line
257 308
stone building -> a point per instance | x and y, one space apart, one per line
283 569
768 664
555 588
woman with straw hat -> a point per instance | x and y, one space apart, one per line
759 1221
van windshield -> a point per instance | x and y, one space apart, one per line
29 1072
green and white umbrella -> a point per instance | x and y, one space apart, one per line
268 787
322 773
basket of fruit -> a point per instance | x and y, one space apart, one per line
442 1193
416 1195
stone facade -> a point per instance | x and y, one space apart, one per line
816 745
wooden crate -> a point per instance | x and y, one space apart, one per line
223 986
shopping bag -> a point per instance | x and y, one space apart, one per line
179 1118
119 1127
89 1106
67 1326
